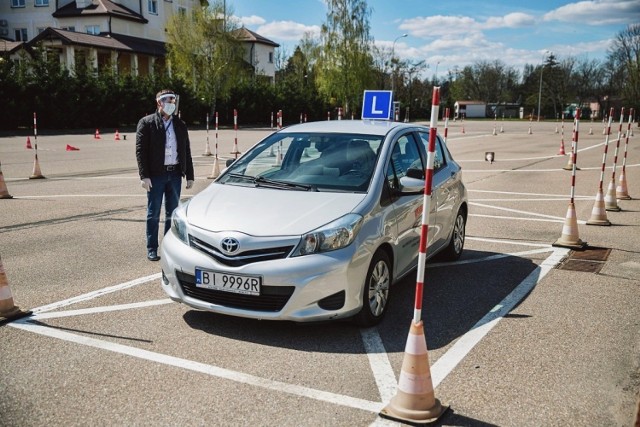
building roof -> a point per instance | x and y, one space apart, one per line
98 8
470 102
119 42
10 47
245 35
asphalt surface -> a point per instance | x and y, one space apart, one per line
515 337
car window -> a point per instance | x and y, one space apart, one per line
439 161
405 156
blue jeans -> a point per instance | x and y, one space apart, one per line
166 185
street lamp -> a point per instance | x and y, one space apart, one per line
540 90
393 50
436 76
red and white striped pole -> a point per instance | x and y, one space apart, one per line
216 134
599 213
235 128
279 119
446 124
216 166
36 174
339 113
272 120
610 202
561 152
621 189
570 237
207 148
426 204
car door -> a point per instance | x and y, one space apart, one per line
407 207
443 196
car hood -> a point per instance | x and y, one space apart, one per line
265 211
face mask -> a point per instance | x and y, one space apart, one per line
168 108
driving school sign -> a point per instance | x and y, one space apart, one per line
376 104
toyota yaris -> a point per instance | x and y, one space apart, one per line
315 222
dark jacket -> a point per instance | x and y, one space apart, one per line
150 142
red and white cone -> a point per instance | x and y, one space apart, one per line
610 202
97 135
4 192
599 213
415 401
621 189
8 311
28 146
117 137
216 169
570 237
37 173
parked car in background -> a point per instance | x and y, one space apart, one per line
315 222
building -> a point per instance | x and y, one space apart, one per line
127 35
469 109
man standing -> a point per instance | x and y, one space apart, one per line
164 156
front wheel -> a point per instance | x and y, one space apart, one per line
375 296
454 249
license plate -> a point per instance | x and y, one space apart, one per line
236 283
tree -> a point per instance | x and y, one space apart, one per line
345 62
203 50
624 55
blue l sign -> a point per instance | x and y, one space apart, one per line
376 104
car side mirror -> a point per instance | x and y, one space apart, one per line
411 185
229 162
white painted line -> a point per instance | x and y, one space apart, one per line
447 362
489 258
519 211
98 293
103 309
509 242
214 371
379 362
519 218
520 194
541 199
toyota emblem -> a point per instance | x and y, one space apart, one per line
230 245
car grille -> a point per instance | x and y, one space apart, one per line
271 298
241 258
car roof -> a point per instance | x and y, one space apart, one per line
365 127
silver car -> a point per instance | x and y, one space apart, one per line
315 222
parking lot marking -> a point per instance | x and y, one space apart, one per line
337 399
379 362
509 242
448 361
98 293
500 208
103 309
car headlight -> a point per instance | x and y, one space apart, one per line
335 235
179 224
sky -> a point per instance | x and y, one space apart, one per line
449 34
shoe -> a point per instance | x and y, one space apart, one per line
152 255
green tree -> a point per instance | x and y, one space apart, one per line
345 63
203 50
624 55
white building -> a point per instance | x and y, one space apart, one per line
128 35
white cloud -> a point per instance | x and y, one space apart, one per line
440 25
597 12
251 20
512 20
286 30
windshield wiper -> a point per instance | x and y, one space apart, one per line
261 181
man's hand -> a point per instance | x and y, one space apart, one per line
189 183
146 184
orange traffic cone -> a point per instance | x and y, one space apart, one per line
28 146
415 401
610 202
621 189
117 137
8 311
599 213
4 193
216 169
463 129
570 237
561 152
97 135
36 174
72 148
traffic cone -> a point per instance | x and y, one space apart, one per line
561 152
36 174
28 146
278 158
72 148
570 237
463 129
621 189
117 137
216 169
4 192
599 213
8 311
530 130
235 148
97 135
415 401
207 149
590 131
610 202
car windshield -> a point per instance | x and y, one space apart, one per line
308 162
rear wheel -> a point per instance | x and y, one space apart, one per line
375 296
454 249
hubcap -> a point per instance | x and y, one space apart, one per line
458 234
379 288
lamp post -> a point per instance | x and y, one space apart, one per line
393 50
540 90
436 75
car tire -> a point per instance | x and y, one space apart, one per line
454 249
376 291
